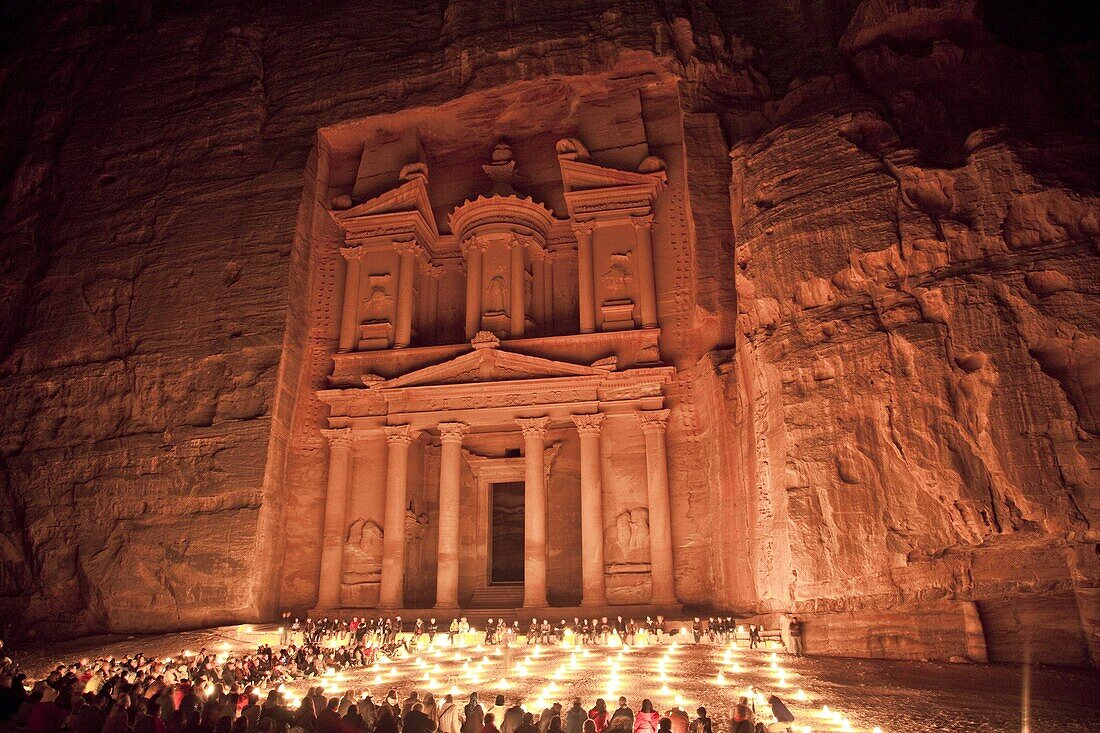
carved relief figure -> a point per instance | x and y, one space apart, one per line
618 276
362 551
632 534
497 295
377 301
416 525
365 536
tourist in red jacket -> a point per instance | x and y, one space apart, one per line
647 719
598 715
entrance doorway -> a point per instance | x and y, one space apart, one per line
506 561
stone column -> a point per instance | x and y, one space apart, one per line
585 280
398 439
336 501
653 424
592 563
548 293
406 274
538 282
643 245
473 249
349 316
450 481
534 511
424 306
516 314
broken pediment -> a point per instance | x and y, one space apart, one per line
595 190
405 208
488 365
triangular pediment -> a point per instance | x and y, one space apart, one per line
488 365
411 198
581 176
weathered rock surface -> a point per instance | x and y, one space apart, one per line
893 401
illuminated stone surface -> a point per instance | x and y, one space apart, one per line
896 696
882 318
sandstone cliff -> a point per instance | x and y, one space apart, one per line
893 300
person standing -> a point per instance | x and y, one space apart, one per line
431 709
475 716
796 636
451 717
548 715
497 711
513 718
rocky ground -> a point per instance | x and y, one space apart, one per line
894 696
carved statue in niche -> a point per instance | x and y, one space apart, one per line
416 525
632 535
362 549
377 301
497 295
528 279
618 276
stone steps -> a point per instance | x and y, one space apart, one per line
498 596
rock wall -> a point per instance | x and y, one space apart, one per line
893 389
916 278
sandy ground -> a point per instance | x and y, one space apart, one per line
894 696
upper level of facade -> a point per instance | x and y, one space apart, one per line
509 264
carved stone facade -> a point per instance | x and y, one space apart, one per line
509 335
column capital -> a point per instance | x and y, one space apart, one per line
653 420
453 432
338 437
427 269
352 253
400 434
642 222
588 424
533 427
472 243
407 247
585 227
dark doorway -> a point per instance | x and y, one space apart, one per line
506 564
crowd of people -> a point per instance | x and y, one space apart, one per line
223 692
390 633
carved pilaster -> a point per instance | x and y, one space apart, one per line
586 284
647 287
